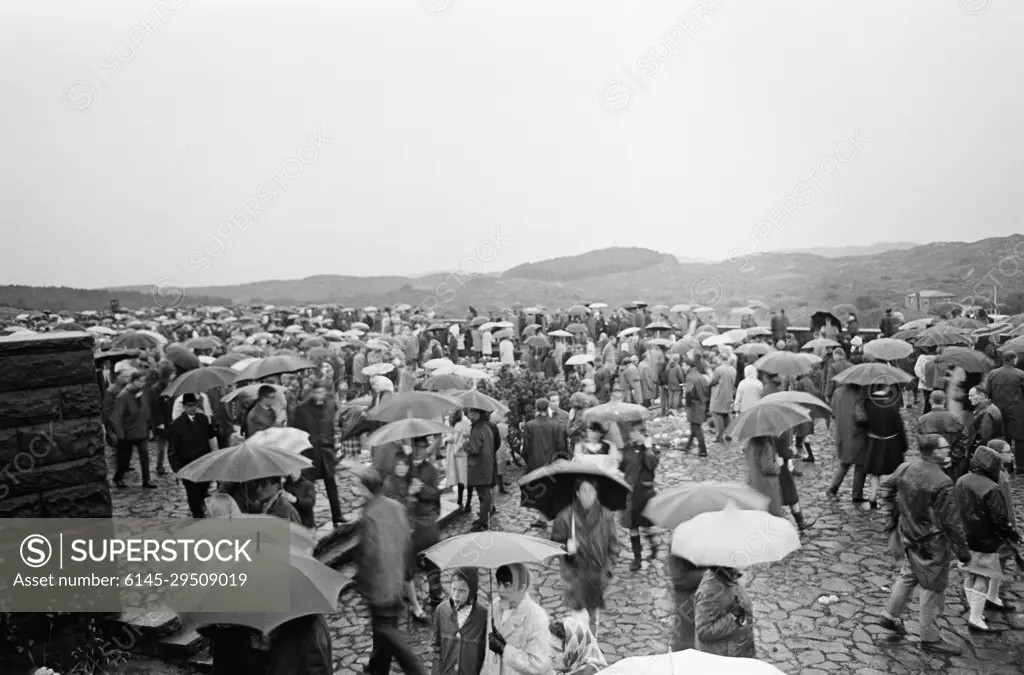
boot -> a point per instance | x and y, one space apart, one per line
501 485
462 493
469 498
810 455
638 553
652 541
802 523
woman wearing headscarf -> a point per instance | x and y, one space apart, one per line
521 643
596 443
748 392
638 464
574 649
887 437
724 617
460 627
588 531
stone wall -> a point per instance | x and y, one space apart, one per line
52 462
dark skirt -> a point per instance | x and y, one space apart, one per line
787 487
633 518
883 456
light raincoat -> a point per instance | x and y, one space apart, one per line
749 390
526 633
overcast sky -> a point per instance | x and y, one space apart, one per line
151 139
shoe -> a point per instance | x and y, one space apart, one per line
941 647
479 527
993 607
149 486
337 524
797 473
421 617
702 454
160 471
539 524
831 495
895 625
858 500
809 460
975 628
467 509
635 565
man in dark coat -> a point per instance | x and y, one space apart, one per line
851 437
190 437
129 422
697 395
480 466
1006 390
544 440
838 365
940 421
424 506
316 417
887 325
929 532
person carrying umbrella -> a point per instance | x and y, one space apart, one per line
189 437
522 638
698 393
263 414
544 440
424 505
588 531
638 464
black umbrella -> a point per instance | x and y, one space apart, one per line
553 487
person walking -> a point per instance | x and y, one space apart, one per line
480 466
723 390
940 421
851 439
638 465
129 421
724 620
927 532
1005 388
460 627
316 416
544 440
190 437
887 436
698 393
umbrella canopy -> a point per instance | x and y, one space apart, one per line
445 383
244 363
941 336
478 321
820 343
314 589
598 305
248 350
814 405
228 360
503 333
674 507
963 323
288 439
560 334
907 334
1015 345
768 419
658 325
408 428
888 349
758 331
628 331
579 310
320 353
538 341
734 537
476 400
579 359
971 360
755 349
204 343
491 550
691 662
434 364
134 340
783 363
311 342
616 411
359 325
872 374
684 345
551 488
378 369
1003 328
101 330
576 328
275 365
182 358
423 404
244 462
200 380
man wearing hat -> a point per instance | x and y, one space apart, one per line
544 439
190 437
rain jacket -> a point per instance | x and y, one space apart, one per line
983 508
648 380
384 535
851 425
763 471
749 390
480 456
718 601
461 650
526 633
586 574
424 506
987 425
927 520
1006 389
697 394
686 578
723 388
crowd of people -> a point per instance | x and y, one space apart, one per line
950 502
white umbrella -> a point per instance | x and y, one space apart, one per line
101 330
597 305
691 662
378 369
734 538
579 359
288 439
244 363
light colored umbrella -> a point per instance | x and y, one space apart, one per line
491 550
690 662
244 462
971 360
813 359
872 374
758 331
244 363
888 349
768 419
288 439
820 343
671 508
755 349
359 325
579 359
736 335
628 331
476 400
814 405
598 305
918 323
434 364
445 383
735 538
783 363
101 330
378 369
941 336
275 365
408 428
616 411
560 334
423 404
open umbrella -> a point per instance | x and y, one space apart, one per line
872 374
182 358
424 404
248 350
684 345
288 439
101 330
378 369
783 363
275 365
244 462
434 364
134 340
658 325
971 360
244 363
675 506
1002 328
598 305
814 405
577 328
963 323
734 537
579 359
1015 345
490 550
200 380
907 334
538 341
691 662
359 325
228 360
626 332
755 349
202 343
616 411
503 333
478 321
579 310
445 383
768 419
476 400
560 334
311 342
888 349
659 342
551 488
408 428
320 353
941 336
819 343
758 331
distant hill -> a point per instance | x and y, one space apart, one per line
601 262
799 281
847 251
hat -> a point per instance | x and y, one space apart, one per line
190 399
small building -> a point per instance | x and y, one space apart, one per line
923 301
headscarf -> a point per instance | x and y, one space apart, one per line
749 372
580 649
520 576
472 578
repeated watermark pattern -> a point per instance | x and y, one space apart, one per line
169 291
974 7
709 289
79 96
437 7
617 96
486 251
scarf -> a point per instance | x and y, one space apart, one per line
580 649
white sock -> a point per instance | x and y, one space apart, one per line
976 601
583 616
993 591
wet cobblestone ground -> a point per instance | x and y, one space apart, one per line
843 555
